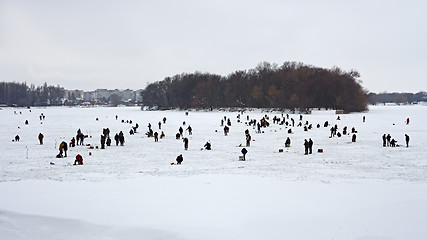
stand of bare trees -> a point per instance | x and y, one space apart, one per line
19 94
290 86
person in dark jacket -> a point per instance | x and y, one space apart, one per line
41 138
108 141
310 146
156 137
407 140
388 138
103 141
244 151
207 146
190 130
226 130
288 142
393 143
73 142
63 147
185 140
79 132
179 159
121 138
116 138
384 140
248 140
305 147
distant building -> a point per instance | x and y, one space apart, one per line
103 96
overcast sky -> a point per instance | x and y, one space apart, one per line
92 44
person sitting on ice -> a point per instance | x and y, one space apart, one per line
73 142
353 138
17 138
244 151
288 142
179 159
79 160
207 146
393 143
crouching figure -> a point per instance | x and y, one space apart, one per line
79 160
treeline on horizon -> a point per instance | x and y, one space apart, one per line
22 95
293 86
398 98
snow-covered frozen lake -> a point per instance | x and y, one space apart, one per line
353 190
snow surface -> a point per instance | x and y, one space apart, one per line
350 191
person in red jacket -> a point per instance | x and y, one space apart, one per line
79 160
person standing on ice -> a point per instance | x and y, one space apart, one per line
156 137
388 139
41 138
121 138
79 132
305 147
384 140
226 130
185 140
407 121
190 130
180 130
116 138
103 141
310 146
407 140
248 140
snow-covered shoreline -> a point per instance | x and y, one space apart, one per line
350 191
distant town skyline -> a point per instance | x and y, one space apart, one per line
91 45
